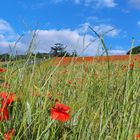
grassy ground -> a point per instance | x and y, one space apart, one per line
104 101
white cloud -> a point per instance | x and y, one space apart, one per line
135 3
58 1
47 38
83 28
100 29
104 3
98 20
138 23
125 11
95 18
93 3
77 1
2 37
6 31
7 36
71 38
5 27
98 3
117 52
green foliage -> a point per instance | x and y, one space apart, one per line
98 111
104 100
58 50
135 50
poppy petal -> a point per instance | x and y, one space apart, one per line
8 135
4 114
62 107
58 115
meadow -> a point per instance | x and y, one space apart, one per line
53 100
77 98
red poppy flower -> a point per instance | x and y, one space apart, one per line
2 70
59 112
10 98
7 99
62 107
3 95
131 66
137 136
9 134
4 114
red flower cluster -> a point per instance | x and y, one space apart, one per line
137 136
6 101
9 134
131 66
60 112
2 70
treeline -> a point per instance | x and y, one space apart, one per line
135 50
58 50
7 57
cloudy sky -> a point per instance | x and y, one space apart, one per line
67 21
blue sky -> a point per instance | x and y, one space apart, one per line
67 21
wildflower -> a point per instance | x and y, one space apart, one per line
9 134
4 114
137 136
10 99
59 112
2 70
131 66
7 99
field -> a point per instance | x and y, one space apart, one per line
71 99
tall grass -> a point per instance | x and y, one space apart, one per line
104 101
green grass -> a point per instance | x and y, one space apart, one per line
101 108
104 100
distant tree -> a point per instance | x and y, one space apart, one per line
74 53
5 57
135 50
42 55
59 50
